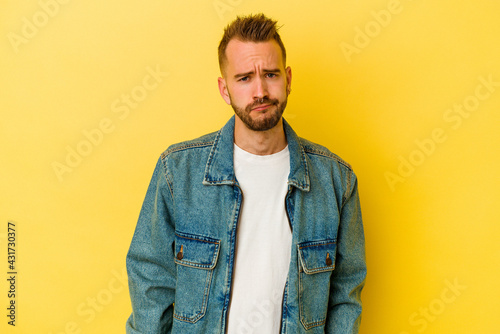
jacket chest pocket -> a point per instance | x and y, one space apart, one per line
196 257
316 263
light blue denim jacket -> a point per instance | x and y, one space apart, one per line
182 251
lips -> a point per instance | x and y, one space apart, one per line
261 107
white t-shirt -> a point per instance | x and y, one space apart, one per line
263 243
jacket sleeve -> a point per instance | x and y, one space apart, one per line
150 260
348 278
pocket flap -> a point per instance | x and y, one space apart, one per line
317 256
196 251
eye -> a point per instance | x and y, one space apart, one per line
271 75
243 79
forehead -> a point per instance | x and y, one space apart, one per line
241 55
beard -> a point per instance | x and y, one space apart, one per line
272 116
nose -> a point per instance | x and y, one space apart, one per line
260 90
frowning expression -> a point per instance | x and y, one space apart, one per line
255 83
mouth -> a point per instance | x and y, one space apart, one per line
261 107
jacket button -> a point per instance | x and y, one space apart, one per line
328 259
180 255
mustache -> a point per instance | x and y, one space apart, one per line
260 102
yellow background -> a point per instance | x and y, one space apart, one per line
65 68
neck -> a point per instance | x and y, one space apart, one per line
259 142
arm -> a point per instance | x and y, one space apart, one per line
150 261
348 278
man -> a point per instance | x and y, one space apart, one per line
250 229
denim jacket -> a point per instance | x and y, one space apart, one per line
181 260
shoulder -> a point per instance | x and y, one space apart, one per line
323 161
193 144
313 149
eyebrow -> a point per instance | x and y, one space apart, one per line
241 75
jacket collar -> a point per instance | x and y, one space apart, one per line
220 165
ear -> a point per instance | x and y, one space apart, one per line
288 72
223 90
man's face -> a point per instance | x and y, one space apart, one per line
256 83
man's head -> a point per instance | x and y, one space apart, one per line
252 28
254 79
